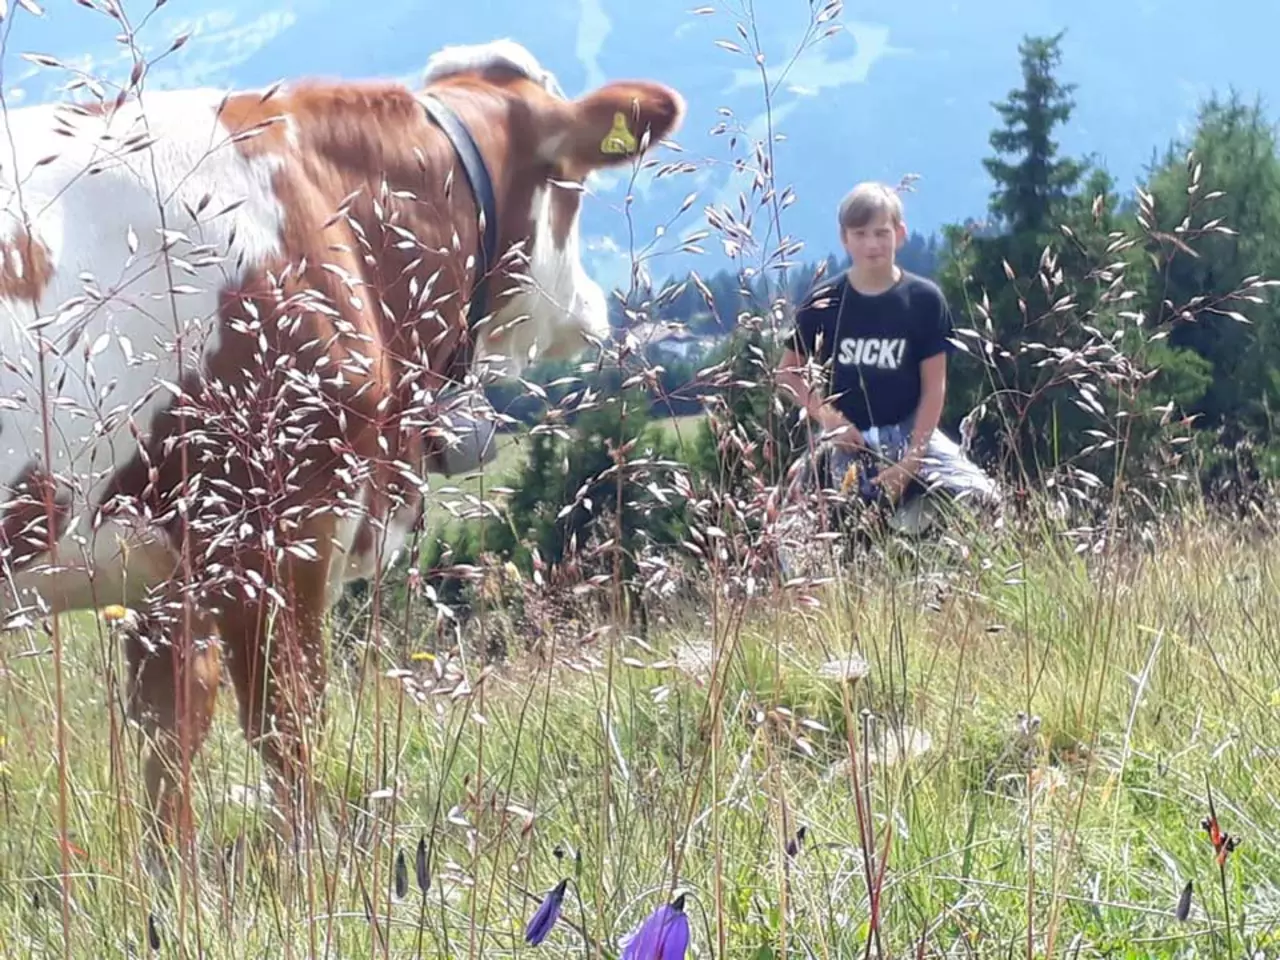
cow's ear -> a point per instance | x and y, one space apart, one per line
610 126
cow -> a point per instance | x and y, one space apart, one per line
230 324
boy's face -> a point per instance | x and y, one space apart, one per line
875 243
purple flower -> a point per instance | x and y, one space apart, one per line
546 916
796 842
663 936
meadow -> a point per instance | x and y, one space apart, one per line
1013 742
1014 746
454 497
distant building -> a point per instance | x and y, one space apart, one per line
664 339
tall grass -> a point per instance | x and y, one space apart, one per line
1076 831
994 748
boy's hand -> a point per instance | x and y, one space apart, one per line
893 481
842 434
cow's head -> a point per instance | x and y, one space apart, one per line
540 147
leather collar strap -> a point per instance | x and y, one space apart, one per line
473 166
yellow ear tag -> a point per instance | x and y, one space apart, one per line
619 139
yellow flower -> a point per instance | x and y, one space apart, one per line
850 480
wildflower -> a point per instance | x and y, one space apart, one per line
420 866
901 744
1184 903
663 936
848 669
119 617
546 916
1223 842
402 875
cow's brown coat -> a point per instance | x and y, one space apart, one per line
372 146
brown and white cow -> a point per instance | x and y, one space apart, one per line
227 322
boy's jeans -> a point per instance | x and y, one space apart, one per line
944 466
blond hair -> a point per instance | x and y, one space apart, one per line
867 202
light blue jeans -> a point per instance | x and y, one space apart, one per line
944 467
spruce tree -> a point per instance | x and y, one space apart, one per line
1030 178
996 272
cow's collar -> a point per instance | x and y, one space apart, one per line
481 183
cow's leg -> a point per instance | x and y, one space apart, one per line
174 673
276 659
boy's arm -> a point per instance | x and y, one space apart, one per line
802 345
933 350
830 421
933 394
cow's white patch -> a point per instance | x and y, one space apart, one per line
464 58
557 307
562 303
391 534
117 563
345 565
132 267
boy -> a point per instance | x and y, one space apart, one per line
883 332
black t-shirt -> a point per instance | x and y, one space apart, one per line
878 341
